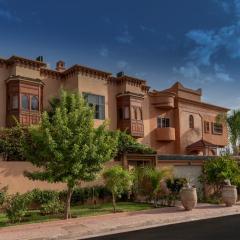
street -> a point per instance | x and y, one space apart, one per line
224 228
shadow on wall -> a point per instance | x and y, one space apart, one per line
11 175
189 137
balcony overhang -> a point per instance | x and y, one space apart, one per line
165 134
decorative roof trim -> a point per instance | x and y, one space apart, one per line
25 61
24 79
179 86
87 70
131 94
203 104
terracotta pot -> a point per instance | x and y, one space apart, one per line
229 195
188 197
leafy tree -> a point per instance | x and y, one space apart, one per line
67 147
149 180
233 122
117 181
217 170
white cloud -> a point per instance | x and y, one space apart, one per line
104 52
122 64
147 29
192 72
124 37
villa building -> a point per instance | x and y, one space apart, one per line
172 121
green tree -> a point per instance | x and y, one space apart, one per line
117 181
217 170
67 147
233 122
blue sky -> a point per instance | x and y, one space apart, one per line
163 41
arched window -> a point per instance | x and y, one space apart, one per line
34 103
25 102
135 113
191 121
139 114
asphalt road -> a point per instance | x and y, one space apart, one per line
224 228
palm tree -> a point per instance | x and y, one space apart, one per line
151 179
233 123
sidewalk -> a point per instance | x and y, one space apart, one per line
84 227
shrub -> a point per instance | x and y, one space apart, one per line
40 197
148 180
81 195
3 195
217 170
52 207
11 143
175 185
16 207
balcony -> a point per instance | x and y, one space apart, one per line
133 127
166 102
165 134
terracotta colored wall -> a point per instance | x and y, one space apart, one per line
188 135
4 74
163 147
21 70
200 114
147 128
188 95
96 86
50 90
11 175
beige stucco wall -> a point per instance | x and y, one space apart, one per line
190 172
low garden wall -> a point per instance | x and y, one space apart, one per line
184 166
11 175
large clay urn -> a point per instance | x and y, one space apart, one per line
229 195
188 197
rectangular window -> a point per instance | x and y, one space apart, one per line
217 128
206 127
98 104
25 102
15 102
163 122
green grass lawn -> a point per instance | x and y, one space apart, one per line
79 211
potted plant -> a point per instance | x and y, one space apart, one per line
229 194
188 196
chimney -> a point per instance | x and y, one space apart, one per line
120 74
60 66
39 59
